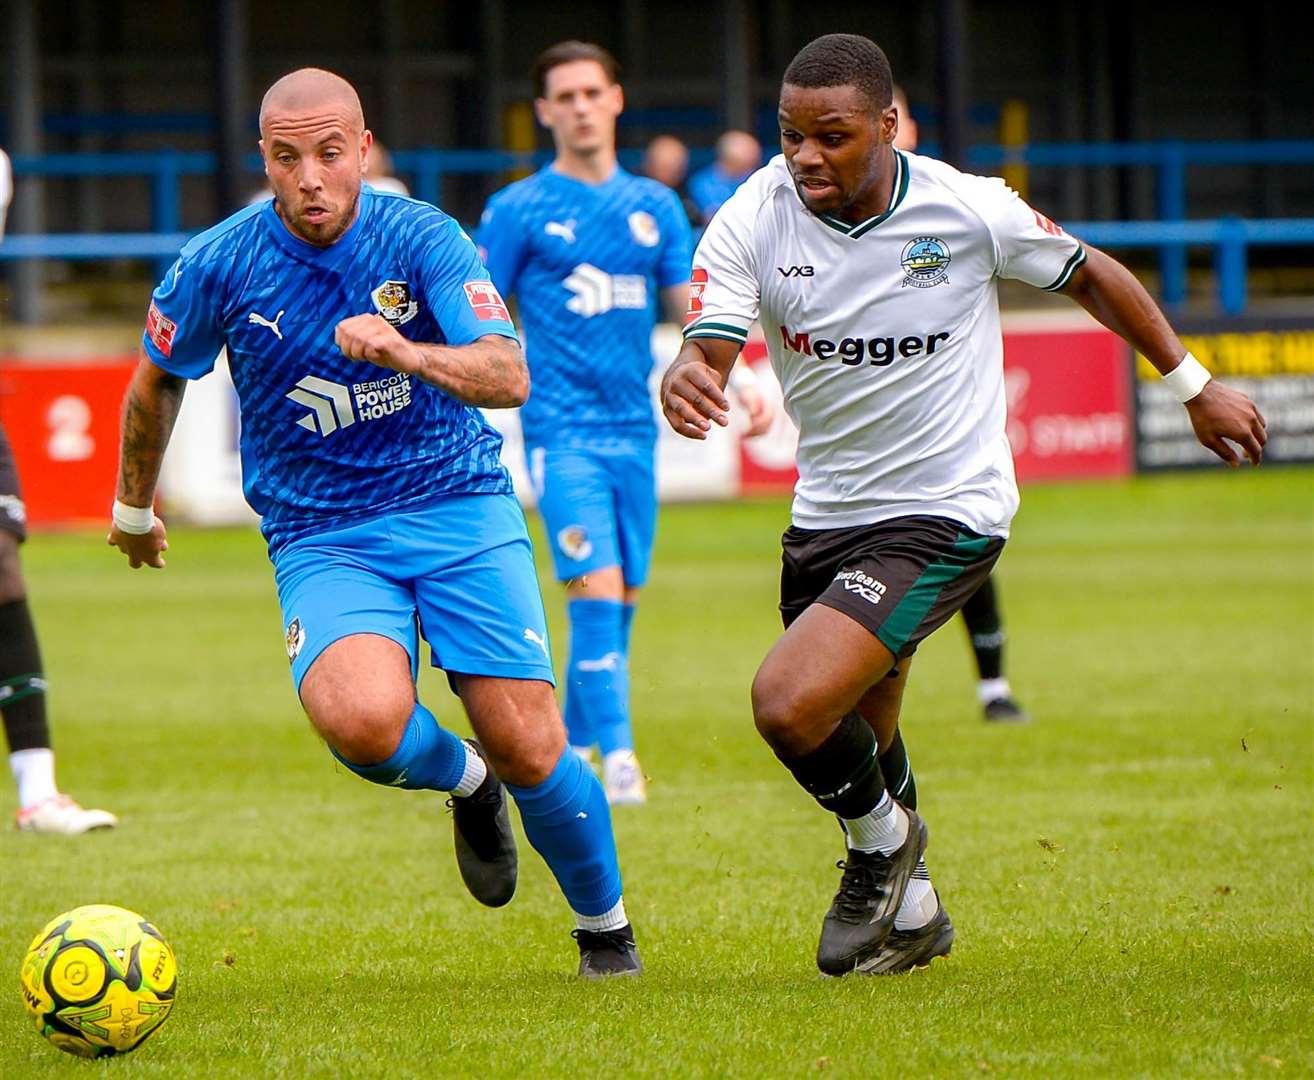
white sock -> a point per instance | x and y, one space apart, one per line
608 920
884 828
919 901
34 773
584 753
475 771
988 690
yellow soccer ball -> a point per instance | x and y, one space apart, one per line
99 980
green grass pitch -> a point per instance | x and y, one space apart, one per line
1129 876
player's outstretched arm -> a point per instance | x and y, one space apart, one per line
1219 414
693 396
490 372
150 409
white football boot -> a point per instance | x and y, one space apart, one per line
60 814
623 779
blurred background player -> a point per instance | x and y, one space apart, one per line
41 807
6 189
585 247
738 156
378 171
364 335
666 160
981 613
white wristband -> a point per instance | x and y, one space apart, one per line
137 520
1187 379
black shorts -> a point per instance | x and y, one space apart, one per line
901 579
13 515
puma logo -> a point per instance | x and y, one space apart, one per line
565 230
260 320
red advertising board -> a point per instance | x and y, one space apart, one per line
1069 403
1069 410
62 420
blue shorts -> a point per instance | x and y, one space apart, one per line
599 507
458 573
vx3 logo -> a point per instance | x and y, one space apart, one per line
796 271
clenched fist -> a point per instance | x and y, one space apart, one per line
373 339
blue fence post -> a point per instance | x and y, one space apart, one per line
165 216
1230 266
428 176
1170 183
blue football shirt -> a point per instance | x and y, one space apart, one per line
326 440
586 262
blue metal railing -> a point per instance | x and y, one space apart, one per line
1171 234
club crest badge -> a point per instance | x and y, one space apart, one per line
574 542
643 227
925 262
296 638
394 302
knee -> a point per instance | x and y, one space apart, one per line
364 729
531 761
11 570
780 713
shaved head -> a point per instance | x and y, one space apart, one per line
315 145
309 90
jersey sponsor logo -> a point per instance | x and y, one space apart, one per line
796 271
1049 226
596 292
643 227
256 319
880 351
334 406
697 283
160 329
486 301
925 262
864 585
563 229
394 302
294 638
574 542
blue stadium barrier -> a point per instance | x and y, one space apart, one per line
1170 234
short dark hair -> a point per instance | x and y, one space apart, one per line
844 60
567 52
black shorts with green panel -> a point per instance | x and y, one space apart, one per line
902 579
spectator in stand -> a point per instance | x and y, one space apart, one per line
738 156
666 160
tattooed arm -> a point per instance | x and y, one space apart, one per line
150 408
490 372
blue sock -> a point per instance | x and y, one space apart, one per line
578 729
428 756
627 624
599 675
567 820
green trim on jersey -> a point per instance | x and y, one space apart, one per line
897 193
1069 268
921 596
696 330
715 334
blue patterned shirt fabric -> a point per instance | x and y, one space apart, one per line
327 441
586 263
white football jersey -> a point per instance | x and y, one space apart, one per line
884 335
